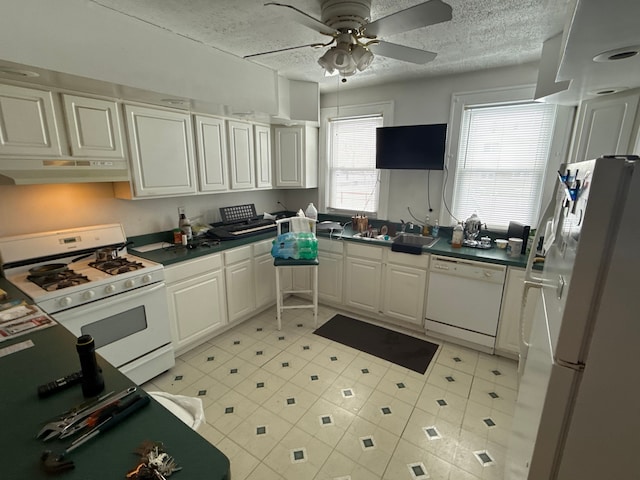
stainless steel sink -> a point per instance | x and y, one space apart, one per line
414 239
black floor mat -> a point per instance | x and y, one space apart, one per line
398 348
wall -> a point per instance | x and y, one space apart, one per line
424 102
39 208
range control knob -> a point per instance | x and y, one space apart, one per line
66 301
146 278
88 295
110 288
129 283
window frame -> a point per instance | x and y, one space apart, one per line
383 108
561 138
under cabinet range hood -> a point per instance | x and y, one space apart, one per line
39 171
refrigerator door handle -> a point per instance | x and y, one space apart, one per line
523 305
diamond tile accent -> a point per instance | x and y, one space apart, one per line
281 338
260 385
441 402
259 352
450 379
494 395
489 422
291 401
432 433
259 329
347 393
300 325
201 393
261 430
386 410
496 372
233 370
333 359
285 364
365 371
418 471
306 347
367 442
401 385
228 410
211 359
236 342
326 420
484 458
457 359
314 378
298 456
177 378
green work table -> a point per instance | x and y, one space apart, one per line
110 455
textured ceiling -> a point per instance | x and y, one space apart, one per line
482 34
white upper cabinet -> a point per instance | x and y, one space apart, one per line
241 156
262 142
161 152
212 153
605 126
296 157
27 123
93 126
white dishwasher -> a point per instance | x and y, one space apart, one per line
463 299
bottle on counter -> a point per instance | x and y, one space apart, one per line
436 228
311 213
184 224
457 236
426 228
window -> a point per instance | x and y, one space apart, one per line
353 178
349 181
502 157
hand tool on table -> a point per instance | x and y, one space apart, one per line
58 427
54 463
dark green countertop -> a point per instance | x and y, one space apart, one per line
109 455
171 254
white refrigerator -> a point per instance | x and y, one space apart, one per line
578 410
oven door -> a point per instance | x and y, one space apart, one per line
125 327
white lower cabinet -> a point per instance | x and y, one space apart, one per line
404 288
363 277
509 328
239 277
330 271
196 299
264 274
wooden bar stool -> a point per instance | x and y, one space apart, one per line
296 224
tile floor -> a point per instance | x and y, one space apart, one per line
296 406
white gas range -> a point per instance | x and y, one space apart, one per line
119 300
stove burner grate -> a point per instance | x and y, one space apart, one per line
117 265
58 280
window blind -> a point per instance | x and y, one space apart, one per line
353 178
502 156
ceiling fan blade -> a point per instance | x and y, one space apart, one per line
289 48
401 52
422 15
306 20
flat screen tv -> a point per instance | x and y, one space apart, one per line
412 147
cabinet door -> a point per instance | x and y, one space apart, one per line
197 307
240 289
363 284
212 154
161 146
509 328
289 151
605 126
404 293
263 156
93 126
330 271
27 122
265 280
241 155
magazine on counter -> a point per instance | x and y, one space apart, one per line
18 318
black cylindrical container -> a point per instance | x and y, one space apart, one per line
92 381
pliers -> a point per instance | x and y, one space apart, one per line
65 423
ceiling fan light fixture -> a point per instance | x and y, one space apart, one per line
362 56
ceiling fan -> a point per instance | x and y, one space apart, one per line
356 38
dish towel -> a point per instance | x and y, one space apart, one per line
299 224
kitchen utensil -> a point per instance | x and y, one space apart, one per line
360 223
472 227
48 269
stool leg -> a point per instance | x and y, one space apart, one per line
278 299
315 296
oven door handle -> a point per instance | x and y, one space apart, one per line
138 292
